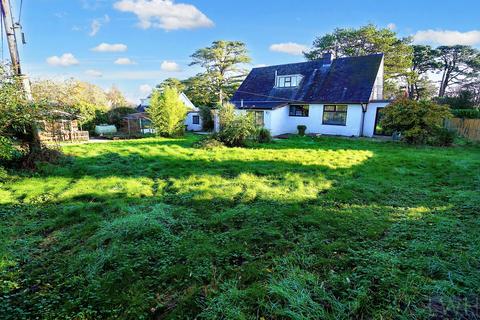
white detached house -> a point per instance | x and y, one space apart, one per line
341 96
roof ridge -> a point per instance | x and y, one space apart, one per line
320 60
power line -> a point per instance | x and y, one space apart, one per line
20 12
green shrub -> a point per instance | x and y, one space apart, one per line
235 129
466 113
226 114
210 142
264 135
167 113
207 118
301 130
8 151
417 121
442 137
3 174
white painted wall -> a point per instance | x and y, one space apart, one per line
370 117
377 90
281 122
189 122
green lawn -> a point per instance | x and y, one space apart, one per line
297 229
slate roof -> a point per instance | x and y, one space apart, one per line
345 80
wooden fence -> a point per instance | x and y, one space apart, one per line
468 128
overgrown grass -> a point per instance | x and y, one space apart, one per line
298 229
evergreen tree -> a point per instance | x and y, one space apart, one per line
167 112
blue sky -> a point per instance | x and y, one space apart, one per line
151 40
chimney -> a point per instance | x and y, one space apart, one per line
327 58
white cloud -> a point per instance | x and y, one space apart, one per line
170 66
392 26
65 60
447 37
261 65
97 25
289 48
94 73
145 89
124 61
165 14
106 47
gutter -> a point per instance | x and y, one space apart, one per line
364 111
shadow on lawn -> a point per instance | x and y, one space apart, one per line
188 225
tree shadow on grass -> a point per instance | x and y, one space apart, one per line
126 233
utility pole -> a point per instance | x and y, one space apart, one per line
13 47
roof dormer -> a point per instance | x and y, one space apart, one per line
288 81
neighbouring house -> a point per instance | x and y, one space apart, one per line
60 127
342 96
193 121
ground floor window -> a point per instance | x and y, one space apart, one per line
196 119
259 118
298 111
335 115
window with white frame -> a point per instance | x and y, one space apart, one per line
290 81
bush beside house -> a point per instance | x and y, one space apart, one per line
418 122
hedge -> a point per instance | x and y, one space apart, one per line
466 113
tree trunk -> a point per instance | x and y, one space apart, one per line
444 83
411 91
34 143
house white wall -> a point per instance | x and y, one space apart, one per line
189 122
281 122
278 121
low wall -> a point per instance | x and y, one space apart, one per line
468 128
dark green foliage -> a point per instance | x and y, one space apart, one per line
8 151
304 228
301 130
442 137
463 100
115 116
365 40
466 113
222 72
207 118
264 135
459 64
417 121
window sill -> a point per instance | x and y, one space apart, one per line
298 116
333 124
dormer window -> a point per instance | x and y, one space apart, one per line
289 81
